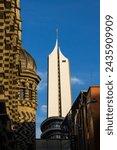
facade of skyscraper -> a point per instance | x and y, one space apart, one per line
59 94
18 81
59 83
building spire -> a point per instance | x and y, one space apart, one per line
57 43
58 83
57 33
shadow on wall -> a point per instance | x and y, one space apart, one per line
22 138
50 144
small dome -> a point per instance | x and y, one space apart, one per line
27 62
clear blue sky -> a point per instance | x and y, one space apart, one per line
79 31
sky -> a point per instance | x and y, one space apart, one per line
78 24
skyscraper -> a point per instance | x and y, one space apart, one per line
59 94
59 86
18 80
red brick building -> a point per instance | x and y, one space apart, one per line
83 120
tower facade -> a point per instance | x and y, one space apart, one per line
59 95
18 79
59 85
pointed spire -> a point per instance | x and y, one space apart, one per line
57 33
57 43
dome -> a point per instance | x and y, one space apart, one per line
27 62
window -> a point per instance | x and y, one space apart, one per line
1 37
1 15
7 46
1 89
22 91
6 83
1 57
8 5
1 8
1 50
1 23
1 43
1 65
58 136
11 27
63 60
30 91
1 30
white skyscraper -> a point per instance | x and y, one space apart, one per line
59 85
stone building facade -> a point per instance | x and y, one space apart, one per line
18 78
82 123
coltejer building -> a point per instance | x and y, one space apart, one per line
59 85
59 94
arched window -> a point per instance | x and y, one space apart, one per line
22 91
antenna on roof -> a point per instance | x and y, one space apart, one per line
57 37
57 33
